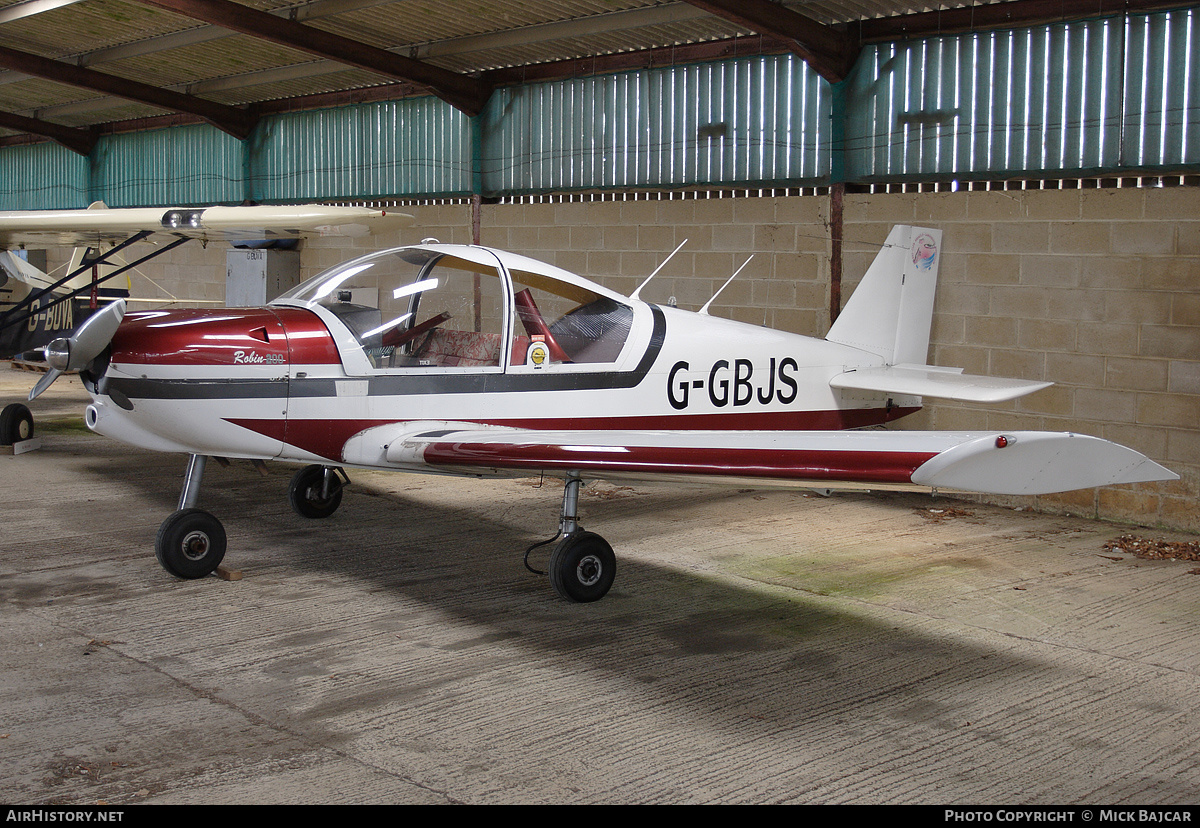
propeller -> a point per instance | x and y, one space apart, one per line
85 344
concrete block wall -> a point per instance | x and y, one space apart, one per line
1097 291
619 244
190 273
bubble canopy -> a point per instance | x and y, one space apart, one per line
437 306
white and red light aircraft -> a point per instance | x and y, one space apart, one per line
468 360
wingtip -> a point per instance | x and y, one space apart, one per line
1038 463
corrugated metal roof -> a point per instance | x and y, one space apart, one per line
135 41
87 26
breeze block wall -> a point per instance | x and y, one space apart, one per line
620 243
1096 290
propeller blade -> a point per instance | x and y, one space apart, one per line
84 345
94 334
45 382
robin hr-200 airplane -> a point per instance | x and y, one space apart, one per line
468 360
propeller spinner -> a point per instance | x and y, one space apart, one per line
85 344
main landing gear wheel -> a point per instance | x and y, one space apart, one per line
190 543
16 424
582 567
315 491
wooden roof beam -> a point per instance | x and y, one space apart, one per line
237 122
460 91
76 140
830 52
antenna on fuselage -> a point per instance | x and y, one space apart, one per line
634 295
704 310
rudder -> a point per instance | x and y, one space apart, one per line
890 313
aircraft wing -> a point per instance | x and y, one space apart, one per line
96 226
1021 463
932 381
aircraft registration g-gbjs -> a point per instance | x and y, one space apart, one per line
468 360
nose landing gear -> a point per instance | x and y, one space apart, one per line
191 542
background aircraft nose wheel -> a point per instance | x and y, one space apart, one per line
316 491
16 424
582 567
190 543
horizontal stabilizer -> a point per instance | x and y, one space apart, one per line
1016 463
930 381
14 267
1032 462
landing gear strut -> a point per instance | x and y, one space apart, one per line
191 542
582 564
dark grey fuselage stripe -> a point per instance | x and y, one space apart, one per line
193 389
408 384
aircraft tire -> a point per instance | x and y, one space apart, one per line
582 567
16 424
190 544
304 494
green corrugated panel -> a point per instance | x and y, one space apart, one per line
740 121
184 165
1162 91
1093 97
1007 102
1099 96
418 146
42 177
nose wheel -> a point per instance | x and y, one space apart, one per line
191 542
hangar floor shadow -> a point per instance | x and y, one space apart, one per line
758 647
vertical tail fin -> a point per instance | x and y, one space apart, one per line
891 311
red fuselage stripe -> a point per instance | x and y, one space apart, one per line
327 438
855 466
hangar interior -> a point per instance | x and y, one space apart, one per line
1056 145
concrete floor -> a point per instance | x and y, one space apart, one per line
758 647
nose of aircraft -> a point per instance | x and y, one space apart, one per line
178 340
175 380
